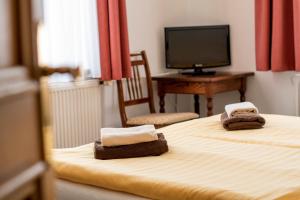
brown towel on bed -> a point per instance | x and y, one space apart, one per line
243 121
154 148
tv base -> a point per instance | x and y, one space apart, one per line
198 72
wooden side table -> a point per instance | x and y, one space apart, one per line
208 86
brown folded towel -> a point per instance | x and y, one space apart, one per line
243 121
154 148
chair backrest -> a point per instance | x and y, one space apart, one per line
130 90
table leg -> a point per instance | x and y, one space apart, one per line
242 90
196 104
209 105
242 95
162 103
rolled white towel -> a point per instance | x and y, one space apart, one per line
240 108
125 136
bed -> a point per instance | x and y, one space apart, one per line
204 162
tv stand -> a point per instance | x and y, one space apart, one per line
201 85
198 72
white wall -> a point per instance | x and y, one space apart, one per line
271 92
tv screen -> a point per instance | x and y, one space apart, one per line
197 47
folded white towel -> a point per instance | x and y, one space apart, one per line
125 136
240 108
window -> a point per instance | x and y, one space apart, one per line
69 35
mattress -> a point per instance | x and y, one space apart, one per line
204 162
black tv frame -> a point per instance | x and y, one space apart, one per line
198 70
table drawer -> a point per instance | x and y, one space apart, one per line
225 86
181 87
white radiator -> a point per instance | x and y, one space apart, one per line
76 113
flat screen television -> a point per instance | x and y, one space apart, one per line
197 47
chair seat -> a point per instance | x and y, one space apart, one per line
162 118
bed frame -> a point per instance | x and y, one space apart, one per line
66 190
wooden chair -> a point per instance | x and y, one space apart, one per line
136 95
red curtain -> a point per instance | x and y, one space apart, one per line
114 44
277 24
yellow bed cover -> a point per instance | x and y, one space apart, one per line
204 162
